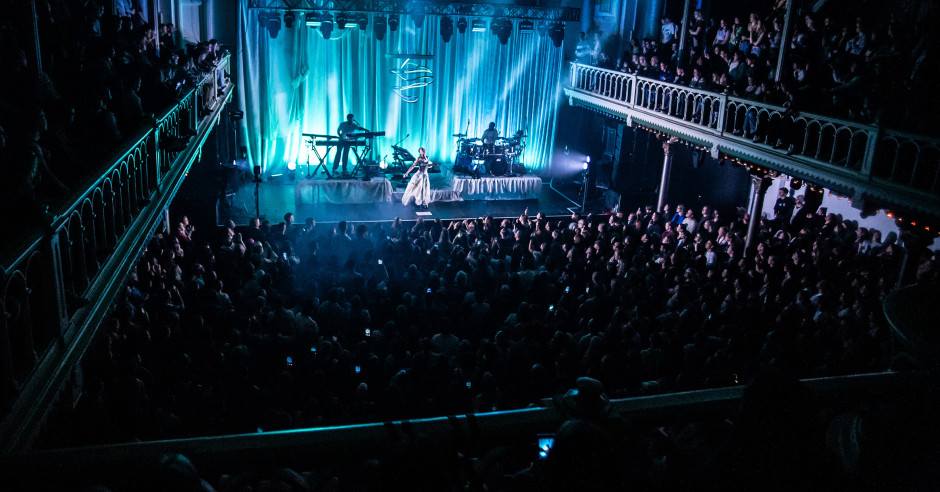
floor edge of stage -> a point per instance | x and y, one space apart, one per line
444 188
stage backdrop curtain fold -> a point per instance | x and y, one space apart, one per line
301 83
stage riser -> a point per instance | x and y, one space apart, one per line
444 188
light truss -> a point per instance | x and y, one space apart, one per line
560 14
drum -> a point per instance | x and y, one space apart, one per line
465 147
463 164
476 151
497 165
500 150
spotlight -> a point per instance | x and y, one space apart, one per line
341 19
557 33
447 28
393 23
379 24
417 9
289 18
363 21
462 25
326 26
274 24
479 25
526 27
502 28
796 183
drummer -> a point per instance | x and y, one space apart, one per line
490 135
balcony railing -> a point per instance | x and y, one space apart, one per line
470 433
899 163
57 283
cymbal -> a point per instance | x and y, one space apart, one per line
460 134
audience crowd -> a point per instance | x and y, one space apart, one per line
853 63
100 78
269 327
281 326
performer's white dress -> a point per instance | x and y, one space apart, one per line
419 187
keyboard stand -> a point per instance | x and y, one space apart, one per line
361 158
322 159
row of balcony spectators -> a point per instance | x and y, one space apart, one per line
99 80
849 63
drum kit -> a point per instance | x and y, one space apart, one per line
476 158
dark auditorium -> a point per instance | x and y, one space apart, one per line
469 246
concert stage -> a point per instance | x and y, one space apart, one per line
279 195
445 187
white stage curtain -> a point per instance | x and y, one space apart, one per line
301 83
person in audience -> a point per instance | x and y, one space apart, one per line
756 34
723 34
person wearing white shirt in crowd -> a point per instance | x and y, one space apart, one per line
690 223
668 31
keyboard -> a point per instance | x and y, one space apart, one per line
334 143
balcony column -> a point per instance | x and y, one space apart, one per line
784 39
668 149
684 31
759 185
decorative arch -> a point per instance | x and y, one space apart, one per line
16 304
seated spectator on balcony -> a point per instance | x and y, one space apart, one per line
718 59
736 69
646 48
736 35
583 51
681 77
66 161
723 34
775 38
698 80
132 109
780 130
806 41
167 33
624 62
102 125
857 44
757 35
653 71
665 74
848 91
29 179
643 68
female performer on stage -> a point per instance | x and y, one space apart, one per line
419 187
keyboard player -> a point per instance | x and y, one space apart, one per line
346 140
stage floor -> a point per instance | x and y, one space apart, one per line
464 198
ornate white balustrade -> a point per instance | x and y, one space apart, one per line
864 161
57 284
